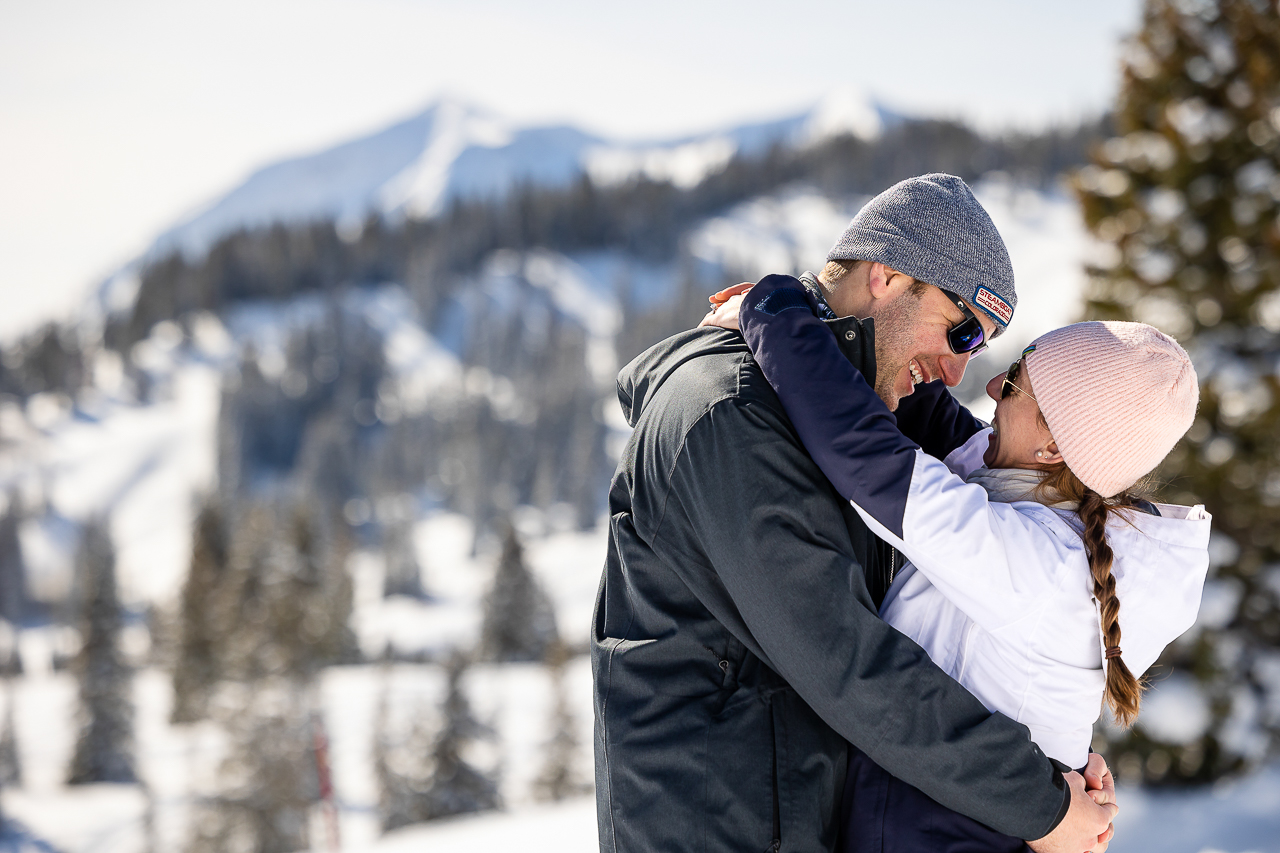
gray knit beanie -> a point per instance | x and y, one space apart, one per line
934 230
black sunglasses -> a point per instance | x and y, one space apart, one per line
967 336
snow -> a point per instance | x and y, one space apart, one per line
682 165
148 462
845 111
410 168
566 564
419 188
1233 816
144 463
180 763
785 232
454 149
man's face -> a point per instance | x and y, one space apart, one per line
911 339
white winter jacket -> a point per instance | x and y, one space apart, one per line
1001 597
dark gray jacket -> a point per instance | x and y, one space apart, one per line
735 644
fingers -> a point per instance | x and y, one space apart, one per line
722 296
1105 810
1097 774
1099 781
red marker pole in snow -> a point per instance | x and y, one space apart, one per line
320 743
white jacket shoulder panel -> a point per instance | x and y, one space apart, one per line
997 562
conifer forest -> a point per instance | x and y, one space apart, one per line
392 479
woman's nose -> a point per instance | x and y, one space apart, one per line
993 387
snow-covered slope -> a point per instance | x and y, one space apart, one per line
456 150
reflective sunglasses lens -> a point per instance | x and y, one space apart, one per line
966 337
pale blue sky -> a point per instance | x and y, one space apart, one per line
116 118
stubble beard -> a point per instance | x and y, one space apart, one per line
895 344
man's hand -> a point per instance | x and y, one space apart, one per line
1098 780
1087 825
1101 786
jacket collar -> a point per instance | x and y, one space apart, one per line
857 338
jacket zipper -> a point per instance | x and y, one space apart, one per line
893 567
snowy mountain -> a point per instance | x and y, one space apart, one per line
456 150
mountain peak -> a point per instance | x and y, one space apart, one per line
846 111
456 149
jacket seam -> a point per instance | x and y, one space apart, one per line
684 440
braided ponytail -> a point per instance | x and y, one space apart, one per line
1123 692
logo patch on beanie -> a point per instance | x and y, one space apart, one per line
1000 309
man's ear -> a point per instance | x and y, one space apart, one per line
880 281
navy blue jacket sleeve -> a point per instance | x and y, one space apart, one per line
935 420
846 428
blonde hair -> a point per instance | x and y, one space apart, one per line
834 271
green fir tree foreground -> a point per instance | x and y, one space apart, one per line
1184 202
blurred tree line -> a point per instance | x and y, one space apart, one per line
1184 201
644 218
323 451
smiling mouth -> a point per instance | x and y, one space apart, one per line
916 376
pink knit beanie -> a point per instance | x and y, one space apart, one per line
1117 397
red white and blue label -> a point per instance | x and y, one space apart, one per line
994 305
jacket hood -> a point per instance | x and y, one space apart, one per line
1160 569
640 380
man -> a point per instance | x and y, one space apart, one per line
736 645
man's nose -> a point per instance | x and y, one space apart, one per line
952 367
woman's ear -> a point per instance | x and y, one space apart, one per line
1049 454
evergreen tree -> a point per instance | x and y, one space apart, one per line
403 771
456 787
269 781
314 617
285 606
104 751
10 761
1184 203
519 620
13 590
560 777
197 668
403 575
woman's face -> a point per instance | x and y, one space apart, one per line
1017 432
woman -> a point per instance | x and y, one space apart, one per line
1022 542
